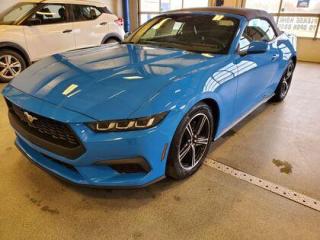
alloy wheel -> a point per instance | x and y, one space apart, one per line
286 80
10 66
194 142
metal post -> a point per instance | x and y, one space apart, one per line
317 29
243 3
126 15
279 11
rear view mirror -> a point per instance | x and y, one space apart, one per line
257 47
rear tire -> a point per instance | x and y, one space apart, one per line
191 142
284 84
11 65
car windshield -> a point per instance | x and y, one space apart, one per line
15 13
192 32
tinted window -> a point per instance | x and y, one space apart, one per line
85 13
257 30
193 32
49 14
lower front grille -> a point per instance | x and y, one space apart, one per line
130 165
49 134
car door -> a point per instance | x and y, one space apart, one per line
48 31
90 25
255 71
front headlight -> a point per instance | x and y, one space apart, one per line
127 125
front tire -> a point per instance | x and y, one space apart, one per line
284 84
191 142
11 65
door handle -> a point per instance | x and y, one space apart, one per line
67 31
103 23
275 57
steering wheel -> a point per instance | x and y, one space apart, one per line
215 40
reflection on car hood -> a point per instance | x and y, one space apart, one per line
107 82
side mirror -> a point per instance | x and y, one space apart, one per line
257 47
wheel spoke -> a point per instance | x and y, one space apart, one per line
9 66
286 77
194 142
6 73
193 156
15 65
289 72
201 141
3 71
184 151
189 130
8 59
12 71
284 88
200 125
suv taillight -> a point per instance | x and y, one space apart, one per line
119 21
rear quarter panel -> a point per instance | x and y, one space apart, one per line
287 50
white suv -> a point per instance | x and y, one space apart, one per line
35 29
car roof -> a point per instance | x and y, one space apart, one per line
96 3
244 12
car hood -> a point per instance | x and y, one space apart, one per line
107 82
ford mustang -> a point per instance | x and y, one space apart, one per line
129 114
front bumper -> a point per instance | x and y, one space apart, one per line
150 144
75 175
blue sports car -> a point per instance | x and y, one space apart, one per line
129 114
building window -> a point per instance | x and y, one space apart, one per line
151 8
299 17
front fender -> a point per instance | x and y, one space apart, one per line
18 48
184 92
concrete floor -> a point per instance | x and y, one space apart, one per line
209 205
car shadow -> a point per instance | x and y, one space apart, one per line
234 131
148 192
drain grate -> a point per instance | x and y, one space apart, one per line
282 191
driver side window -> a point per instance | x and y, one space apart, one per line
257 30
